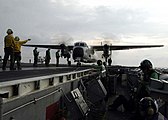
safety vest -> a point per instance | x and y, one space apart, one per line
9 41
18 45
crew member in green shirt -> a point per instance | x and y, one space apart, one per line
148 71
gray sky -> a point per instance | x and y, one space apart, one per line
94 21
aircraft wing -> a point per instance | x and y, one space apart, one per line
70 47
124 47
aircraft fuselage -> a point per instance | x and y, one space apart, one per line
82 53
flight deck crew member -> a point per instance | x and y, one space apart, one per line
47 58
148 73
99 66
17 50
9 44
68 57
35 53
148 110
57 57
109 61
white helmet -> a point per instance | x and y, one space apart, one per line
148 106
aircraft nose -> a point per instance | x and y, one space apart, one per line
78 52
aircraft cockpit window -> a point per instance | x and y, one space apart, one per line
76 44
82 44
86 45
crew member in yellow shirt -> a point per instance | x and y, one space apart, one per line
17 51
9 44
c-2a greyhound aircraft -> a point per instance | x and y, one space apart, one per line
81 52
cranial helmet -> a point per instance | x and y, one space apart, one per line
9 31
145 64
17 38
99 62
148 106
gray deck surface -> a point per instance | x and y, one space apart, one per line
28 72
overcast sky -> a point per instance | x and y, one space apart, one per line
94 21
